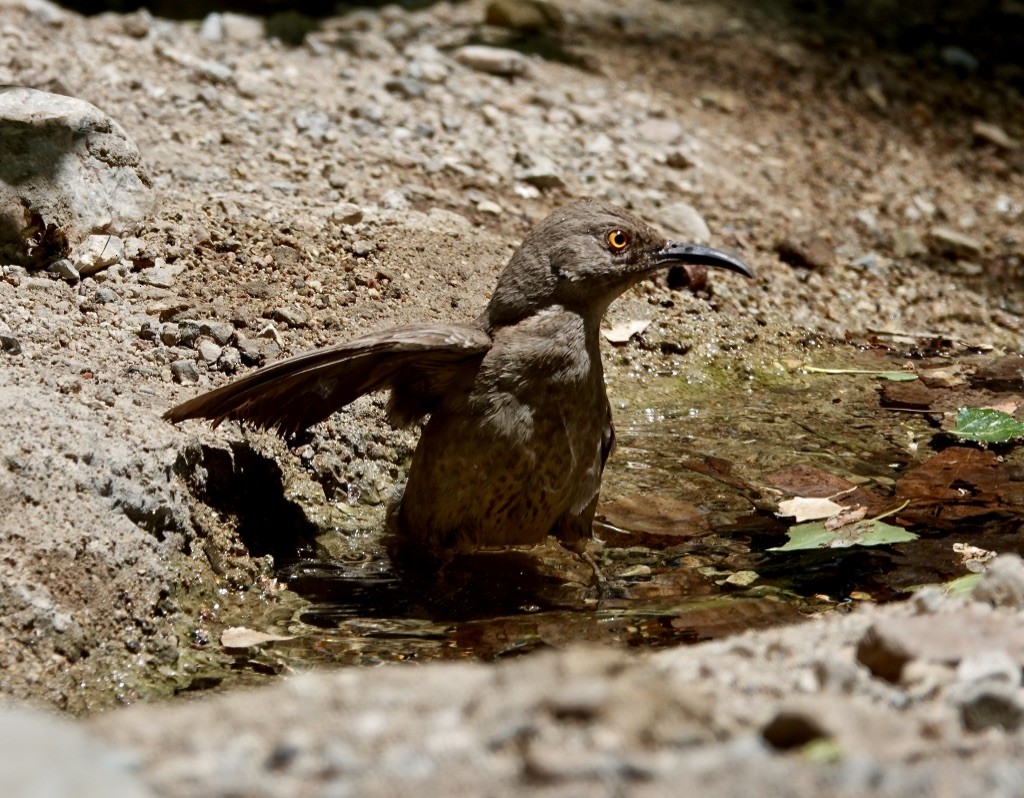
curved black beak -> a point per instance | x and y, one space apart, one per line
674 252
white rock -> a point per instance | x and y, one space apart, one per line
683 222
493 60
69 162
97 253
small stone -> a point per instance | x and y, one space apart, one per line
806 250
230 360
429 71
185 372
493 60
209 352
256 351
313 123
524 16
660 131
490 208
160 276
1003 582
992 705
65 270
293 317
988 666
137 23
993 134
169 335
906 243
946 638
679 158
10 344
541 177
241 28
362 247
96 253
220 331
188 333
346 213
406 88
212 28
952 242
683 222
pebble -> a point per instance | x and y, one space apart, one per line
230 360
185 372
988 666
10 344
406 88
65 270
906 243
493 60
525 16
293 317
806 250
96 253
256 351
209 352
428 71
680 158
313 123
362 247
168 334
346 213
660 131
993 134
220 331
683 222
992 705
946 638
952 242
1003 582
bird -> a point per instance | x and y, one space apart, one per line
518 425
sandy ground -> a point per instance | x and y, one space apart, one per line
367 178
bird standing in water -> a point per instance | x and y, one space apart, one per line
519 424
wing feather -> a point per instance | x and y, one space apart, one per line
293 394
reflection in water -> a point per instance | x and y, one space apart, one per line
688 528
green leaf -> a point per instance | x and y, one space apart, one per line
984 425
869 532
892 376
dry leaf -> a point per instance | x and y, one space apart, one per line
803 508
849 515
623 331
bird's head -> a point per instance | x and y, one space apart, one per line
583 256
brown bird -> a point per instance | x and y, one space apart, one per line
519 423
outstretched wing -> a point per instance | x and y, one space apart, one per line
293 394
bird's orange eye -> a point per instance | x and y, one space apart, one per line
618 240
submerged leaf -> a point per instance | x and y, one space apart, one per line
871 532
985 425
892 376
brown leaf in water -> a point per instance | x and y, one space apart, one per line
1000 374
649 520
907 396
958 482
716 468
801 479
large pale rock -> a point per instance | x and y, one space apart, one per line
69 162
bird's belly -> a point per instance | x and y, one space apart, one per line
504 478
